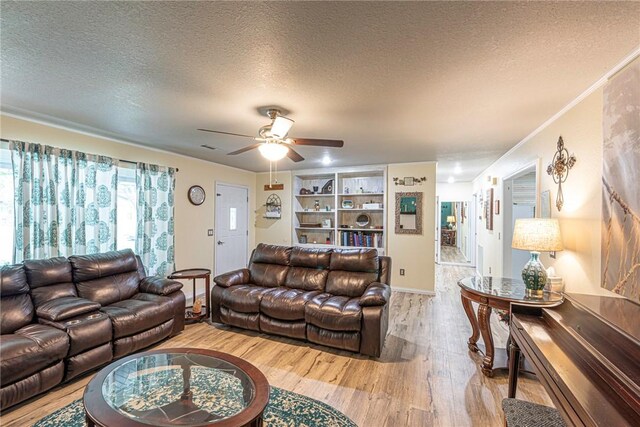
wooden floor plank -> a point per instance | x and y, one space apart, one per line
425 376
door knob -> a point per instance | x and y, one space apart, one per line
220 242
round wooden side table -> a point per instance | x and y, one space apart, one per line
193 274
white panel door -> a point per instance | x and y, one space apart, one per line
232 221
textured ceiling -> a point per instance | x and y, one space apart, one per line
456 82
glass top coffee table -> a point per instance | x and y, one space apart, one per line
177 387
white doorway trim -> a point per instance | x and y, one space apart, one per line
216 221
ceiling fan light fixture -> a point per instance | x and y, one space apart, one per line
281 126
273 151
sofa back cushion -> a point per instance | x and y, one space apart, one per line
107 277
308 268
17 308
385 270
269 265
49 279
351 271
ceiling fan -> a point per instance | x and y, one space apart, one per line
273 141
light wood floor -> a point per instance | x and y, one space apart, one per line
425 376
452 254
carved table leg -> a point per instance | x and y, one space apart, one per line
514 368
468 308
484 318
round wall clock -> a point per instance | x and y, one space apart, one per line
196 195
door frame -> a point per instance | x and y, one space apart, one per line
507 210
471 242
216 221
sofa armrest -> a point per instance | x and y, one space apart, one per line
159 285
66 308
375 294
236 277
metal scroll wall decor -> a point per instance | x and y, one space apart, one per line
559 169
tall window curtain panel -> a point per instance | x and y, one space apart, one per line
155 206
65 201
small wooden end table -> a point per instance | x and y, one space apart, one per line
193 274
498 293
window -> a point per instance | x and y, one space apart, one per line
126 205
6 207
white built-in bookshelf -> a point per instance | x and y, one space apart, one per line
338 218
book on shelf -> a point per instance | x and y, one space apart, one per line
361 239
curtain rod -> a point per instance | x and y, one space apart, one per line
124 161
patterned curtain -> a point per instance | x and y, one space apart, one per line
155 238
65 201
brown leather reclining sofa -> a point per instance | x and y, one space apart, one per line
62 317
334 297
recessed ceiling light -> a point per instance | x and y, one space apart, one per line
457 170
326 160
451 180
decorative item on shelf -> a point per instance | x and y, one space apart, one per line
303 239
305 192
363 220
488 210
409 180
196 195
316 205
536 235
372 205
496 209
452 221
197 306
344 226
327 188
273 207
326 223
315 189
346 190
559 169
328 241
347 204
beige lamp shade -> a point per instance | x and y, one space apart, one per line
537 234
451 219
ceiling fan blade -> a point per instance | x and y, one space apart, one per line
293 155
319 142
245 149
227 133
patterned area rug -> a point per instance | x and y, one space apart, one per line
285 409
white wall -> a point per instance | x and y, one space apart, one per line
456 192
273 231
413 253
581 129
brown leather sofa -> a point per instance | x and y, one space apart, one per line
62 317
334 297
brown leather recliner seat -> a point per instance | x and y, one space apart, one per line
31 354
338 298
143 310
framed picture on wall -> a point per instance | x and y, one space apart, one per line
488 210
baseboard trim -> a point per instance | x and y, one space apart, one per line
413 291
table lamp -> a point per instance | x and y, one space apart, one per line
536 235
451 219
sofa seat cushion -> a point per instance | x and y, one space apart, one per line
336 313
29 350
137 314
243 298
286 303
